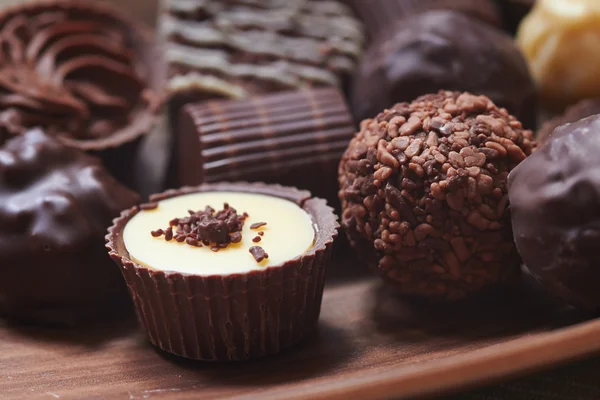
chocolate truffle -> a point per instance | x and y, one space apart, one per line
257 251
55 205
443 50
555 209
83 72
380 15
560 41
238 48
293 138
424 198
582 109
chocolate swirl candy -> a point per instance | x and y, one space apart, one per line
55 205
75 69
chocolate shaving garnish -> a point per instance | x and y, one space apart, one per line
258 253
256 239
261 233
168 234
219 228
236 237
257 225
149 206
157 233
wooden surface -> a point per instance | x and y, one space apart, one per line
370 344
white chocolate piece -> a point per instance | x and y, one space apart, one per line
561 41
288 234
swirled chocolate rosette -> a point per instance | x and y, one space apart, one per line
83 72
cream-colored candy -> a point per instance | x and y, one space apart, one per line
561 41
288 234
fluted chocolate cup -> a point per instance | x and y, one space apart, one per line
85 73
237 316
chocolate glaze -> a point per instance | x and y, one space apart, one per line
443 50
555 207
55 204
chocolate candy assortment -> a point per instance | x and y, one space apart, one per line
440 184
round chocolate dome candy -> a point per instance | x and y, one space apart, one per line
443 50
55 205
424 196
555 207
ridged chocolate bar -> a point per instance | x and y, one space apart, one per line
292 138
238 48
236 316
380 15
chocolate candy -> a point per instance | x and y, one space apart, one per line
560 41
81 71
443 50
55 205
271 292
424 197
380 15
582 109
555 208
235 49
293 138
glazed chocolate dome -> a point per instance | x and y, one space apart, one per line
424 196
443 50
55 205
555 207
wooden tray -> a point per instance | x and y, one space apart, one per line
370 344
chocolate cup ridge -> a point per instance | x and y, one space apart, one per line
118 149
236 316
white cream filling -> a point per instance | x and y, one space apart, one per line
288 234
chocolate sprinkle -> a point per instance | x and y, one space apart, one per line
208 226
256 239
261 233
257 225
258 253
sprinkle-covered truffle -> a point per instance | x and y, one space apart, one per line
555 207
424 197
